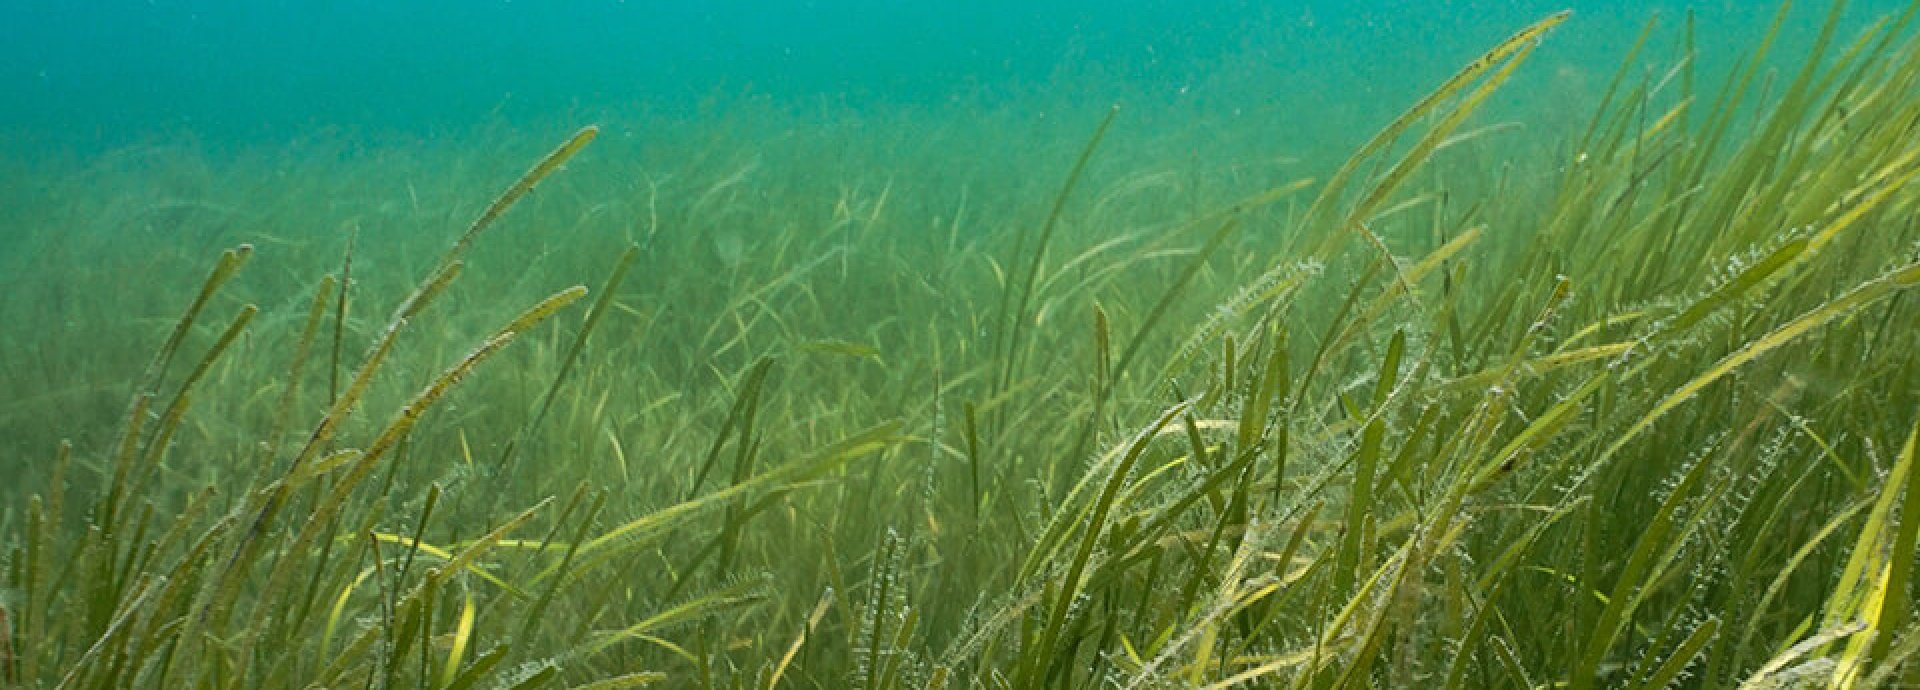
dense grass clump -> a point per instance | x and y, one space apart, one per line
828 408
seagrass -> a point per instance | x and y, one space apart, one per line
1626 398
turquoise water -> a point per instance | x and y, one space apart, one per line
100 75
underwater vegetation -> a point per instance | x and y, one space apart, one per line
1636 410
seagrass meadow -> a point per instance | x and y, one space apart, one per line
1491 395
